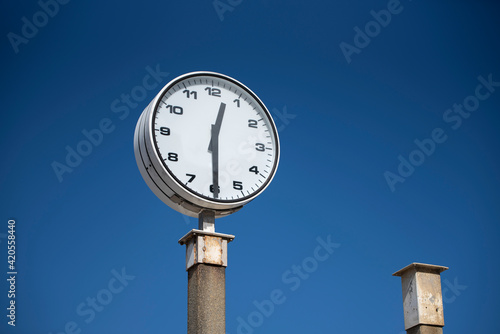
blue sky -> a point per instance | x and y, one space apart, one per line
388 120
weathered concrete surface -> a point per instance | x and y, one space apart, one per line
424 329
422 297
206 299
206 247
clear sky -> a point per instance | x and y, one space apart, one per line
388 115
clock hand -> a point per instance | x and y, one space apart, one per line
217 125
213 147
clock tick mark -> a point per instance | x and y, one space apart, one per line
261 175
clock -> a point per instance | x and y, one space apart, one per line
206 142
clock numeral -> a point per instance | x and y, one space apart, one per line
260 147
237 101
212 188
254 169
191 177
175 109
165 131
191 93
173 156
238 185
213 91
252 123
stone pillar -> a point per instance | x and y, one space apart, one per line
422 298
206 262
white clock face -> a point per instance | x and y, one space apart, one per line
214 138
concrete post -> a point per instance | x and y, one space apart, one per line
206 262
422 298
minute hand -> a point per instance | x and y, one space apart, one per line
213 147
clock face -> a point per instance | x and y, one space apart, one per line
210 140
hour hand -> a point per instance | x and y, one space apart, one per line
216 126
211 139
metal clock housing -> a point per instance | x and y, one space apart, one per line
206 142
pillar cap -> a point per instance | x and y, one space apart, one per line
206 247
421 267
191 234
